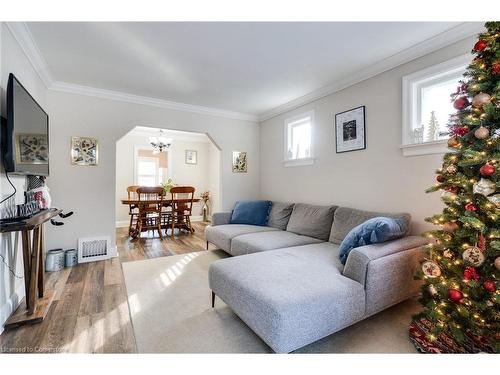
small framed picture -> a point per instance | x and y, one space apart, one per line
239 162
84 151
350 131
191 157
32 149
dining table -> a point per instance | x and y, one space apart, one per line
167 202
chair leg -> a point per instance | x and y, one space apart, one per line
158 222
213 299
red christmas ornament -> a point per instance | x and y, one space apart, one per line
487 170
470 273
489 286
495 67
482 242
460 131
480 45
455 295
440 178
471 207
451 189
460 103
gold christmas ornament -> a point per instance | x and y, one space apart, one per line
497 263
480 99
484 187
450 227
495 199
452 168
481 133
431 269
474 256
453 142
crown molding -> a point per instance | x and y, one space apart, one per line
453 35
144 100
22 35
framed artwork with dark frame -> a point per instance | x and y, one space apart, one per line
350 130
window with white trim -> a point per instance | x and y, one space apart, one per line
298 139
148 171
427 106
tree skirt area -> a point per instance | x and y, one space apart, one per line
170 306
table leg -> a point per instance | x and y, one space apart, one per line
31 297
41 264
26 261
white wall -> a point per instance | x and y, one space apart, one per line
13 60
214 167
378 178
197 175
90 191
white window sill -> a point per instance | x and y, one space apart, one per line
298 162
426 148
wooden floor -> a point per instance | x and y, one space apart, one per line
90 313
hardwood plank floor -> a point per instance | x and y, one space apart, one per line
90 312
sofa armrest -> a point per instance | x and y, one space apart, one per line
356 266
221 218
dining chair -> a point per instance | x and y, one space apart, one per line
182 198
133 209
150 209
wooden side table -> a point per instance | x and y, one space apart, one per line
37 301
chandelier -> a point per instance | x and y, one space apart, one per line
160 143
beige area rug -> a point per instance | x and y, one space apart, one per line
170 305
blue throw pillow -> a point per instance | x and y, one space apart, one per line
378 229
251 212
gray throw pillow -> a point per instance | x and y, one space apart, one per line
312 221
279 215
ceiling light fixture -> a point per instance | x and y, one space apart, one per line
160 143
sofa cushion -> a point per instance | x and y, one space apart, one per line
312 221
346 219
372 231
289 297
280 215
221 235
262 241
251 212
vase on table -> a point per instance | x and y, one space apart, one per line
205 210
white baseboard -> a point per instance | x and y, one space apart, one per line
11 304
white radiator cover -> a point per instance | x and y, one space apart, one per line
91 249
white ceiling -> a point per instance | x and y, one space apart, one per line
244 67
176 135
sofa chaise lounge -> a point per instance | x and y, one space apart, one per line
286 282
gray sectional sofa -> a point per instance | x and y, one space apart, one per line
286 281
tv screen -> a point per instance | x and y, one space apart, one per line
26 140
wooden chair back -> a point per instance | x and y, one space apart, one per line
149 193
187 194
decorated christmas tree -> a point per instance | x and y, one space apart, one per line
461 272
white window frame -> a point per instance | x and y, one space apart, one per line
411 86
136 163
288 123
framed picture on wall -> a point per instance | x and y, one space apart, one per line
350 131
239 162
191 157
84 151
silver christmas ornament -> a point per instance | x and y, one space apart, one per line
495 199
481 133
432 290
484 187
474 256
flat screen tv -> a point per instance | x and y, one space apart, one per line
25 139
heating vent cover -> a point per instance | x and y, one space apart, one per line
91 249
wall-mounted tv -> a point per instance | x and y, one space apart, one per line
25 139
